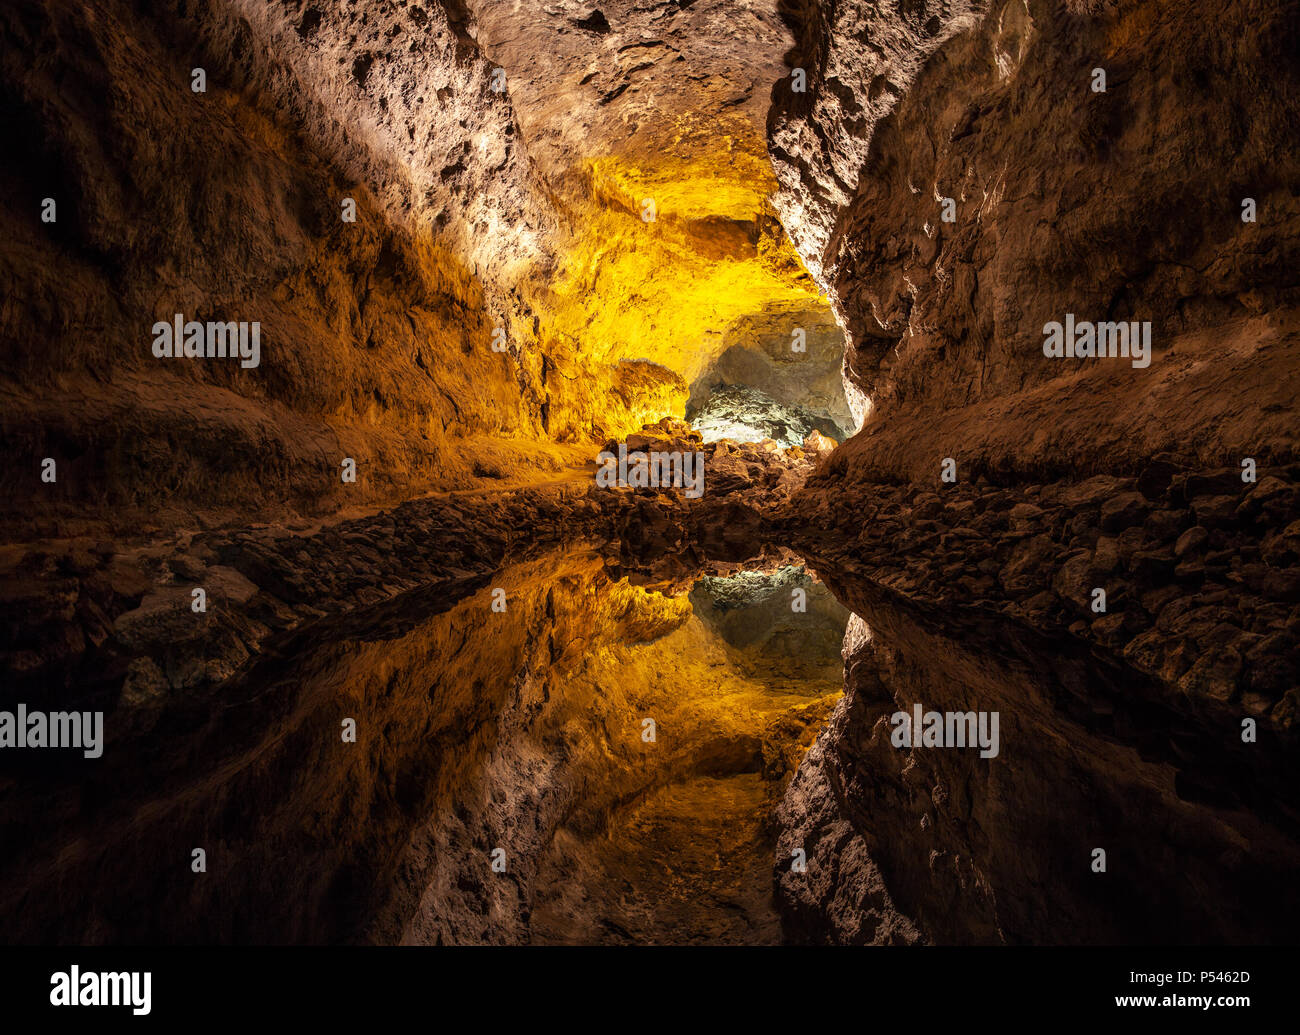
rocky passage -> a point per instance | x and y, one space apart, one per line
799 259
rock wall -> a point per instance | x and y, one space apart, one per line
957 179
1122 205
227 205
1199 572
376 336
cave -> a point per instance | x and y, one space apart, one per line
779 377
525 475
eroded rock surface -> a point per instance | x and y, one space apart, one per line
1119 205
957 179
574 226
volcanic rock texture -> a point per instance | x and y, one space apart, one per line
1117 205
499 304
1064 475
839 227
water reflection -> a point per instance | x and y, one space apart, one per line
737 693
1198 829
520 733
523 736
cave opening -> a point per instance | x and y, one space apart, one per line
777 377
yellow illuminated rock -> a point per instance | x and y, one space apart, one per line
667 290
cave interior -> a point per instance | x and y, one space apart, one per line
524 474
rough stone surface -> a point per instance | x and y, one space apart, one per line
643 205
1119 210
